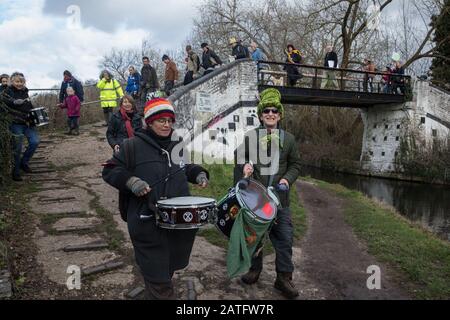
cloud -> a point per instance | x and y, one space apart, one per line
167 21
37 40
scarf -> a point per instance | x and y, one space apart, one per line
163 142
128 125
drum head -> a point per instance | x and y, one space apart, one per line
185 202
255 198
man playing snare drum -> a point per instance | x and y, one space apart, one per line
17 99
159 252
286 164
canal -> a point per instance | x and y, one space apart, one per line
426 204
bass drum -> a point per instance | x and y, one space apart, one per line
250 195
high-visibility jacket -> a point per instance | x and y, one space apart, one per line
110 92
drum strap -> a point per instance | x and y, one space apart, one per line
266 236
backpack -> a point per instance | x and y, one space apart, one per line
198 63
130 162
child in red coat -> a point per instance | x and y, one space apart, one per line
73 105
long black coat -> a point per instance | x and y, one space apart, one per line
77 87
159 252
117 130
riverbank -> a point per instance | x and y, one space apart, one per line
419 257
354 169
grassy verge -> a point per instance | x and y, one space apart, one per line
417 254
17 223
221 179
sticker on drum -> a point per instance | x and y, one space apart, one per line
185 212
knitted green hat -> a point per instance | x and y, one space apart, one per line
270 98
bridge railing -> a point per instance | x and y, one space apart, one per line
316 77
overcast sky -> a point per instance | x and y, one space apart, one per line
40 39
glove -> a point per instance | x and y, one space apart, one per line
18 102
202 179
138 187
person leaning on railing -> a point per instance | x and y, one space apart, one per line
398 80
210 59
293 56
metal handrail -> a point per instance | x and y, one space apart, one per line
330 69
360 84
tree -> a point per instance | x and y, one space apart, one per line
441 63
118 61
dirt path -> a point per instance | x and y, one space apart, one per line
73 206
333 258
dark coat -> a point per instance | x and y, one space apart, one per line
331 56
149 79
210 59
239 52
76 85
117 131
289 162
159 252
20 113
3 88
291 69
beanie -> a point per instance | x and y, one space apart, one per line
270 98
158 108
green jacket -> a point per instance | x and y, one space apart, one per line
289 161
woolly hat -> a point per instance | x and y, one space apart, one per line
270 98
158 108
165 57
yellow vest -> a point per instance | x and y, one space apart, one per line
110 92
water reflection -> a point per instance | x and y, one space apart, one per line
426 204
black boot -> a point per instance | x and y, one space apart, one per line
285 285
251 276
159 291
26 168
16 177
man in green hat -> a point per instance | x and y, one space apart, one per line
281 172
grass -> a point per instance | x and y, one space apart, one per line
420 256
221 180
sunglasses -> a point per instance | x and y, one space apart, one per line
267 111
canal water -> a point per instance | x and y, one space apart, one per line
426 204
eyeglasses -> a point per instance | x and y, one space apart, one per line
267 111
164 121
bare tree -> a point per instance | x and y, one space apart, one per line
118 61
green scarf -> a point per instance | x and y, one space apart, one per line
245 236
265 140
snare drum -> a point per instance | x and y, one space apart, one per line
262 208
39 117
185 212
